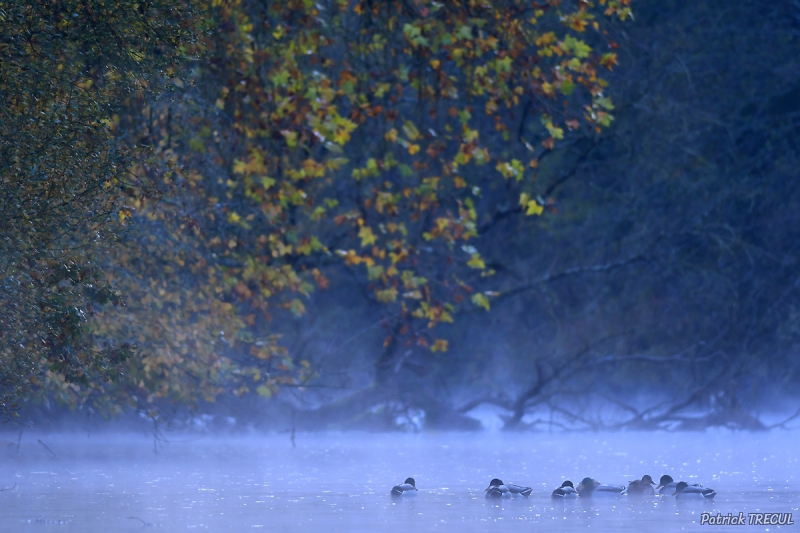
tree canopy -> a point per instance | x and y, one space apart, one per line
65 69
188 180
375 135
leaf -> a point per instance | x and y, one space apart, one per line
410 131
578 48
476 261
534 208
609 60
439 345
386 295
341 136
604 102
296 307
480 300
366 236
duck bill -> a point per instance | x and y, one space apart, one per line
659 486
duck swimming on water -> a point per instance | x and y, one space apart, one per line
498 489
566 490
591 488
642 486
408 484
684 491
666 485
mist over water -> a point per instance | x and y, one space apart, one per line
341 481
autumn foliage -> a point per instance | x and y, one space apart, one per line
307 134
66 67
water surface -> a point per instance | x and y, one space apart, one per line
341 482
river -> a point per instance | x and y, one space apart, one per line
342 481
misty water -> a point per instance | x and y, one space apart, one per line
341 481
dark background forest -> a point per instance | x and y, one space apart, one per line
365 215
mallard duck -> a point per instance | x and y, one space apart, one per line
589 487
408 484
684 491
642 486
498 489
666 485
566 490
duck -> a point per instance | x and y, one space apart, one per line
642 486
566 490
684 491
407 485
498 489
589 487
666 485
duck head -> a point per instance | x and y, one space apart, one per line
665 480
411 482
679 487
647 480
493 483
567 483
587 484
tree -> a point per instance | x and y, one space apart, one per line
66 67
377 135
663 295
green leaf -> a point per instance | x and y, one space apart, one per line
476 261
480 300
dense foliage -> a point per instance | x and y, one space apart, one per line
65 68
433 204
352 133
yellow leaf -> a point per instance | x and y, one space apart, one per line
413 149
391 135
476 262
534 208
439 345
350 257
366 236
341 136
480 300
